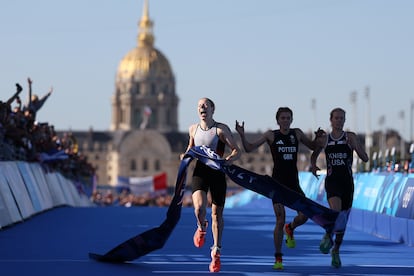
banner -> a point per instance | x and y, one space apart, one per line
156 237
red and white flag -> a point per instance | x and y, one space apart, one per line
140 185
146 113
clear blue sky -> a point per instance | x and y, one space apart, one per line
250 57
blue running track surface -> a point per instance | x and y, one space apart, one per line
57 242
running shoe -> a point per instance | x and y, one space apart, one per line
278 262
290 240
215 259
326 244
336 260
200 235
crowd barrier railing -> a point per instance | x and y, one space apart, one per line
383 202
27 189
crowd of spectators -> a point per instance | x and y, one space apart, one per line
123 197
23 138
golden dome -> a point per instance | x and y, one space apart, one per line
142 63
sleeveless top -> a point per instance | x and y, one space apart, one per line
284 149
339 157
209 138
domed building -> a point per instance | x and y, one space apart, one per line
143 139
145 86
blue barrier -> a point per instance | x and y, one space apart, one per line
26 189
383 203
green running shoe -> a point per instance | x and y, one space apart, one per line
278 262
326 244
290 240
336 260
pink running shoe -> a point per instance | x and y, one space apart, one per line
200 235
215 259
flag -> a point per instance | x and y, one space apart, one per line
146 113
140 185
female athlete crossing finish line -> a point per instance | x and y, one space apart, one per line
155 238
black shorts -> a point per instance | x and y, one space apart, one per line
206 178
341 187
292 184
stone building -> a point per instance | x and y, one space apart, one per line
144 139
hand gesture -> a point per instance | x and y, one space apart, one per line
240 127
320 132
315 170
19 88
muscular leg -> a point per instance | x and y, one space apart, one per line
336 204
217 224
280 214
298 220
200 205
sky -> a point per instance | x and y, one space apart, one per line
249 57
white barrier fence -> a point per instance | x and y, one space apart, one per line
27 189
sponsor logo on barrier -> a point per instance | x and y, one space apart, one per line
407 197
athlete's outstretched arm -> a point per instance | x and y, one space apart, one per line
250 146
227 137
357 146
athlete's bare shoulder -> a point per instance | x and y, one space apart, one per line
269 135
222 126
192 128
